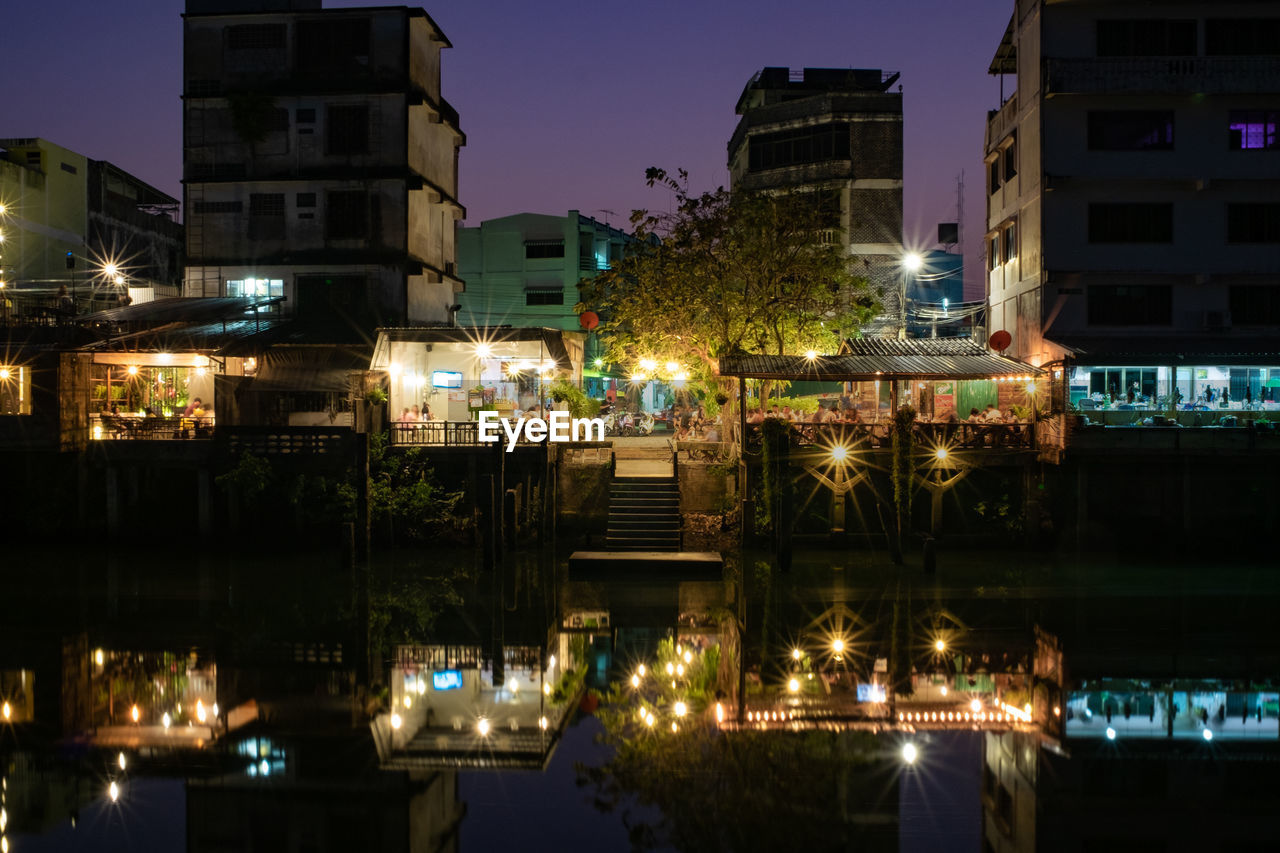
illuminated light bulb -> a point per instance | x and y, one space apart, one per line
408 701
133 370
546 688
940 645
837 646
6 711
680 670
719 713
166 720
1057 711
483 351
811 354
673 684
513 685
647 364
688 657
98 657
121 761
599 362
422 686
1208 735
551 663
796 654
482 727
640 670
680 709
396 722
639 377
135 713
900 716
649 720
1111 733
909 753
113 792
839 453
671 668
674 727
794 685
542 723
1026 709
635 681
966 716
201 713
941 453
975 705
672 367
944 690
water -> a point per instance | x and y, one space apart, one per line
1154 704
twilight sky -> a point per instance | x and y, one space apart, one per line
564 102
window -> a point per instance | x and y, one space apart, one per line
263 287
67 167
1253 223
1242 36
536 249
305 200
266 216
993 251
994 176
33 159
1150 37
347 130
15 390
1255 305
1131 223
333 46
796 147
1131 130
544 296
1010 242
1011 162
305 116
256 37
1253 130
219 207
347 215
1130 305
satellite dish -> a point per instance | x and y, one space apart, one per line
1000 340
588 320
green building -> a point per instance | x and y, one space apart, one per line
523 270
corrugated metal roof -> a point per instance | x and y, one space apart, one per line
231 337
883 358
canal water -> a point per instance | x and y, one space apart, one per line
202 699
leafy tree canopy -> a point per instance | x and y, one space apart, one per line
747 272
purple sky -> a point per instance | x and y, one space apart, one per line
564 103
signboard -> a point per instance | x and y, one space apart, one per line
445 379
447 679
944 399
871 693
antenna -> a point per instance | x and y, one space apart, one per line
960 213
607 213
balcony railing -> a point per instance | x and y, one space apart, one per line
132 427
1001 121
928 436
1174 74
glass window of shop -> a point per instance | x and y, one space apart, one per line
165 390
1193 387
15 390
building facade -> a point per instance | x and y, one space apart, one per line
121 233
1131 186
321 161
523 270
836 131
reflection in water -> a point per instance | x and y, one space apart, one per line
858 710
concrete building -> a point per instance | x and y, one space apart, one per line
56 201
321 161
523 270
1132 178
836 131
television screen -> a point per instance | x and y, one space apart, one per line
870 692
446 679
445 379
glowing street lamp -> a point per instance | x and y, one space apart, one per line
911 262
941 454
482 727
793 686
796 654
909 753
940 645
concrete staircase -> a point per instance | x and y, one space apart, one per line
644 514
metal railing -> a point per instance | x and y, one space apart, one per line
1203 74
104 427
985 436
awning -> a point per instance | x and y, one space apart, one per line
303 369
1165 350
556 341
869 359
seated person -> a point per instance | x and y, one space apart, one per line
992 414
405 417
756 416
196 403
427 414
415 415
712 434
974 416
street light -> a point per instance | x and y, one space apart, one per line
909 753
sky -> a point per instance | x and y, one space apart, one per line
564 102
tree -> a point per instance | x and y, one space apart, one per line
747 272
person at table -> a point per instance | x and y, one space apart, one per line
427 414
415 415
405 416
756 416
991 415
189 411
200 411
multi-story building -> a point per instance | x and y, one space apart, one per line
836 131
321 161
120 233
1131 206
524 269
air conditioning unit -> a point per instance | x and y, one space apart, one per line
1217 319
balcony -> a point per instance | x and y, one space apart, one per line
1172 75
1000 122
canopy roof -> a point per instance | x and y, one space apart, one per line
1165 350
1006 59
554 340
869 359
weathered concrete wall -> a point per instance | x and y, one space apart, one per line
582 490
707 487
